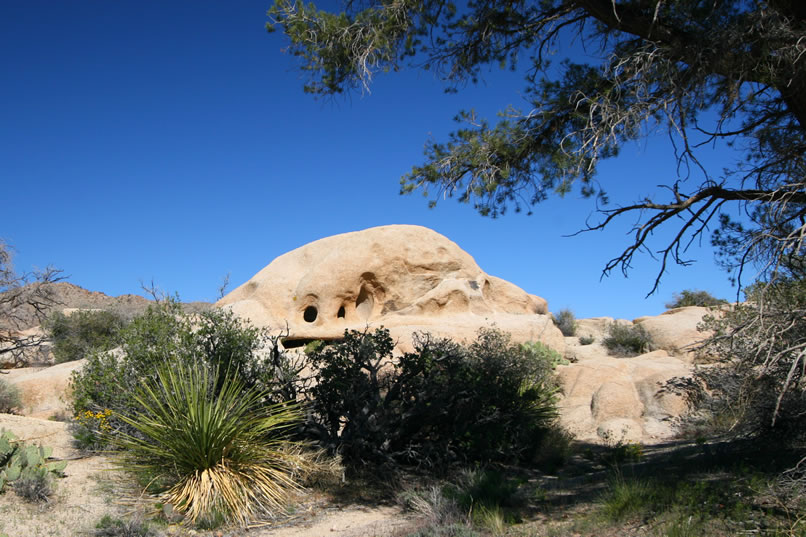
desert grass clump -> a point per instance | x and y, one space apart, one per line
34 485
476 502
10 400
218 455
627 340
627 497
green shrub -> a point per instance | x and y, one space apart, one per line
586 340
89 430
10 400
725 506
689 297
553 450
442 403
164 335
566 322
627 340
115 527
75 336
211 445
543 353
34 485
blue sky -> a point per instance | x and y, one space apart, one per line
172 141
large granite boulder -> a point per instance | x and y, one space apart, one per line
405 278
611 400
44 390
676 330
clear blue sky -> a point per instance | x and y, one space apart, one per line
172 140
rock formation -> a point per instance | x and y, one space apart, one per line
405 278
45 391
609 399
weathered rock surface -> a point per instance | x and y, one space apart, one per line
676 330
609 399
405 278
44 390
622 399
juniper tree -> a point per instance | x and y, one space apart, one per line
705 70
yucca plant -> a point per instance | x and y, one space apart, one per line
217 457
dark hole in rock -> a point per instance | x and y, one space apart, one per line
310 314
474 285
340 314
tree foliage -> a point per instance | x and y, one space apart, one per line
706 71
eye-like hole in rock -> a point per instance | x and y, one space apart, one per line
310 314
364 303
341 313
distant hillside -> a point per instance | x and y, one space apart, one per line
67 295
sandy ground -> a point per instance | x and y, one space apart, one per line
91 489
352 521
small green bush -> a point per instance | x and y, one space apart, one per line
627 497
34 485
566 322
541 352
681 507
627 340
10 400
689 297
75 336
442 403
164 335
115 527
586 340
553 451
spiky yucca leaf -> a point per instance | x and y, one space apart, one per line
217 454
